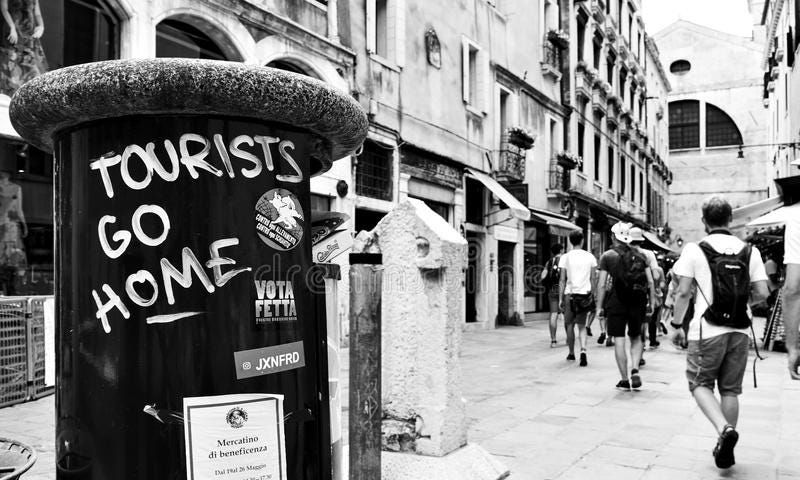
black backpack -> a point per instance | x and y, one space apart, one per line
730 277
553 274
630 276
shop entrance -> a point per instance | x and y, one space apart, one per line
505 283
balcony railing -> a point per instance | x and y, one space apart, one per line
551 60
611 199
580 183
559 178
597 191
511 164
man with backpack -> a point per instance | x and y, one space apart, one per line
550 277
576 294
628 302
727 273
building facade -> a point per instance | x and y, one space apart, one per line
715 108
515 120
780 21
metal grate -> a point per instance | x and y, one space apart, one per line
37 347
374 172
774 334
13 353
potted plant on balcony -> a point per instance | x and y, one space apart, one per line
519 137
568 160
559 38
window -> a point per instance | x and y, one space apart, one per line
474 75
581 135
581 36
619 14
623 76
641 188
611 161
374 171
385 30
179 39
720 129
381 30
684 124
680 67
597 49
622 179
320 202
597 157
504 107
633 183
474 201
440 208
610 61
90 32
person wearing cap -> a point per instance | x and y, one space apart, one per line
624 311
717 354
651 323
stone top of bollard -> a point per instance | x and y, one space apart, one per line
71 96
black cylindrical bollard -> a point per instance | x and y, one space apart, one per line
188 339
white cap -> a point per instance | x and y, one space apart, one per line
621 231
636 234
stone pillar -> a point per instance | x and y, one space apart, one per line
423 303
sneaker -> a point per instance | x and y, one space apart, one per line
588 332
553 343
609 342
655 344
636 380
642 363
571 357
663 328
723 452
583 359
624 385
601 338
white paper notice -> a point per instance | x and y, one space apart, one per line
49 342
236 437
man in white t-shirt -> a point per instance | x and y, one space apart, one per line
716 354
791 291
576 296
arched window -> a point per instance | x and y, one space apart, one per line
178 39
684 124
720 128
680 67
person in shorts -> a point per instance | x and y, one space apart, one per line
550 278
791 292
576 295
717 354
624 314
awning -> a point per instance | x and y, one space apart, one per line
653 238
518 210
557 224
776 217
747 213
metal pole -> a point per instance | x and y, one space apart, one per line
365 366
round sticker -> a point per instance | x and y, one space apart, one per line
236 417
279 219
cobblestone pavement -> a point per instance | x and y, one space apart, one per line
546 418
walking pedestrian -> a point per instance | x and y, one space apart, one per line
550 277
791 292
576 294
725 271
650 324
628 301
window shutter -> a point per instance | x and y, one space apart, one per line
483 84
400 32
371 18
465 69
790 47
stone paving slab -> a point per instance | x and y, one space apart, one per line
546 418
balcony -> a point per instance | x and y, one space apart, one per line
611 199
580 185
597 191
584 82
511 164
559 178
599 96
551 65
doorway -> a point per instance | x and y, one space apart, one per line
474 252
505 284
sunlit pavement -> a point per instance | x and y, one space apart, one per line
544 417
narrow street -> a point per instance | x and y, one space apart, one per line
546 418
